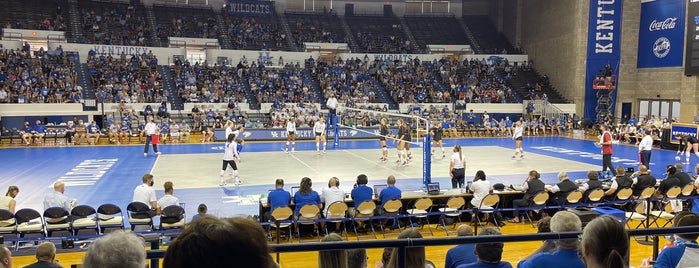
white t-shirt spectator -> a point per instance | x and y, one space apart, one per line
168 200
332 195
144 194
480 189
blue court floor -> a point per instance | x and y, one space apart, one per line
108 174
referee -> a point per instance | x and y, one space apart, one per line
644 148
331 104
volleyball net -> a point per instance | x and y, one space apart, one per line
354 120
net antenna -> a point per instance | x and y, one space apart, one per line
420 126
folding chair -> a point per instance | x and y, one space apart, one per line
337 212
364 212
29 221
280 214
638 213
624 194
8 223
666 207
595 195
539 200
490 201
172 217
57 219
419 211
574 197
307 214
109 216
391 208
687 190
84 218
139 215
452 210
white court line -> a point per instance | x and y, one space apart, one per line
157 156
304 163
383 166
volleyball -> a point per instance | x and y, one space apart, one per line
677 158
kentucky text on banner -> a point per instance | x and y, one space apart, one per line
661 35
603 52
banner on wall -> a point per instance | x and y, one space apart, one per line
603 55
250 8
303 134
686 129
661 34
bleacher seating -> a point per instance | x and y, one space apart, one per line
34 14
44 77
203 83
349 80
114 23
256 33
280 85
176 21
436 30
126 78
323 28
379 34
487 36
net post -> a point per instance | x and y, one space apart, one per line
336 131
427 157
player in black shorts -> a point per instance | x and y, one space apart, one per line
436 131
690 142
383 131
402 157
406 140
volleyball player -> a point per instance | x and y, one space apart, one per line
517 136
407 139
230 156
229 128
457 168
383 132
436 133
690 142
319 129
291 137
402 158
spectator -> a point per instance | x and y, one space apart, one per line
544 226
279 197
642 180
116 250
605 243
532 186
213 242
385 256
331 195
685 251
682 176
461 254
70 131
145 193
168 199
8 201
26 133
148 111
562 189
93 133
162 111
489 254
670 181
414 256
566 249
357 258
621 181
305 195
201 212
45 256
391 192
360 193
58 199
591 184
480 189
5 257
332 258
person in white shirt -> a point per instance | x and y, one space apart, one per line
331 104
230 156
145 193
644 148
480 189
168 199
457 167
319 129
331 195
517 136
291 134
150 130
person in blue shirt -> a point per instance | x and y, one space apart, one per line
605 243
461 254
489 255
201 212
305 195
39 131
685 253
70 131
164 131
279 197
162 110
391 192
148 111
93 132
360 193
566 249
471 118
27 132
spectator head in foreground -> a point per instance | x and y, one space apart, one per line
116 250
414 256
464 230
46 252
5 257
213 242
564 221
489 252
332 258
605 243
356 258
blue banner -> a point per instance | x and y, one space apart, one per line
603 57
661 35
302 134
686 129
250 8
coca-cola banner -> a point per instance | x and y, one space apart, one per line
661 33
603 57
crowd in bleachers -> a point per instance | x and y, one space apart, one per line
35 14
410 81
316 29
44 76
131 78
305 115
349 79
284 85
474 81
255 33
208 84
114 24
192 22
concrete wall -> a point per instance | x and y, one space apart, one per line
554 33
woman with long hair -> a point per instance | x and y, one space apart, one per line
305 195
414 256
457 167
230 156
402 157
8 201
517 137
383 133
604 243
332 258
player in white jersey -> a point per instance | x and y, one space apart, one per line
230 156
319 129
291 134
229 128
517 136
